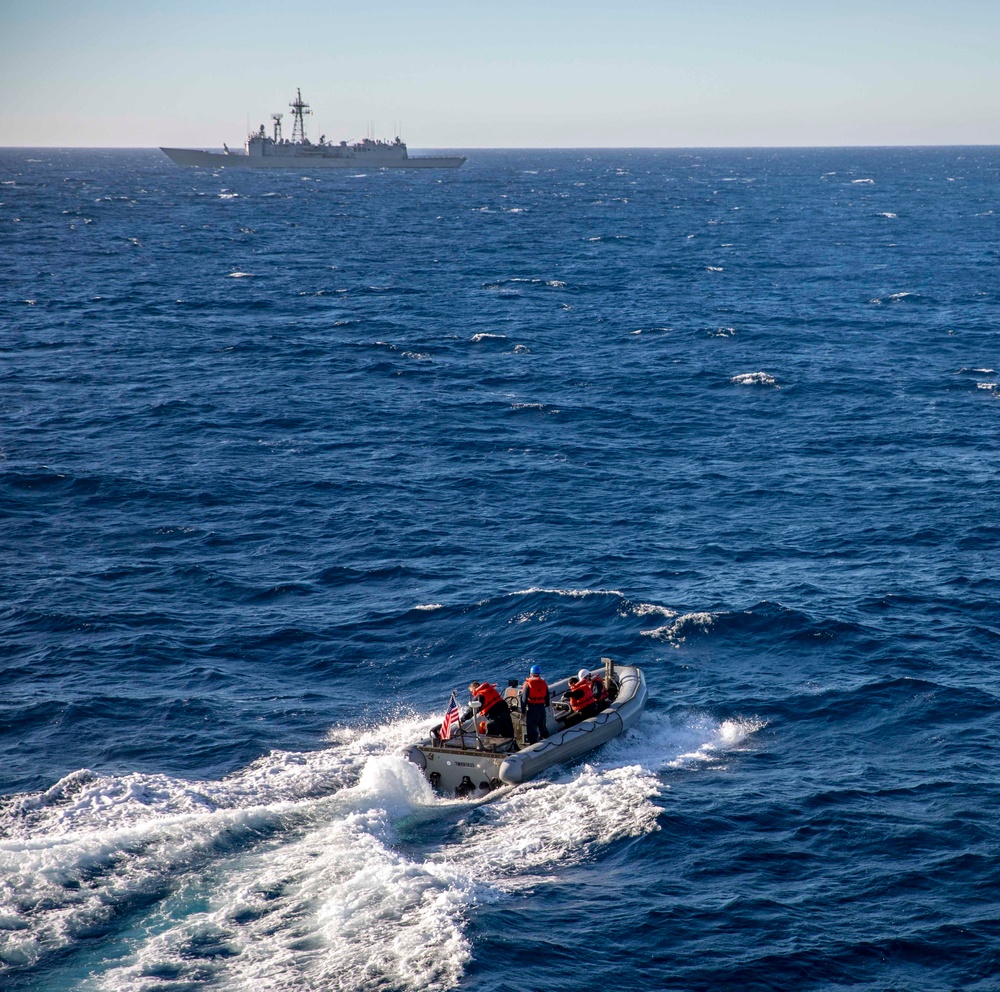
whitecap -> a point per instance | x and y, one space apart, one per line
754 379
677 632
240 275
487 336
652 609
572 593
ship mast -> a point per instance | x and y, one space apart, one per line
299 109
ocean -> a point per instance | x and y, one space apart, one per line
285 458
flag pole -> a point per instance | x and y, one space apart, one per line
475 727
461 724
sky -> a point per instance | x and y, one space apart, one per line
467 74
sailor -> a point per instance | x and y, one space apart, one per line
494 716
600 692
535 700
581 697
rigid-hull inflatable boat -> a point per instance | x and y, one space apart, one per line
469 762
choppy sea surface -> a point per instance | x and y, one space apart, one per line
287 457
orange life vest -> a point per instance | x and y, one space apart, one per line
490 697
537 689
581 696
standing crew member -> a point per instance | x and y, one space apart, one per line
535 699
494 715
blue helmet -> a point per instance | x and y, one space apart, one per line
536 669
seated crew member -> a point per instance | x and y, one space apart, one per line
534 701
600 691
581 698
494 715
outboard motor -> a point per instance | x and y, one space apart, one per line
512 697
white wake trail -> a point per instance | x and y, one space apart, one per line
301 871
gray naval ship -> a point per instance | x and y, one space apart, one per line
263 151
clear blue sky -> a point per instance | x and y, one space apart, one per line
460 73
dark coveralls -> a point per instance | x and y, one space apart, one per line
534 699
582 702
494 711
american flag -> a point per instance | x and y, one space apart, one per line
451 719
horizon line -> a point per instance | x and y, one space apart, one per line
556 148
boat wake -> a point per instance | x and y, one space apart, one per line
333 869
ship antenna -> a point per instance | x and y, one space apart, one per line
298 110
277 126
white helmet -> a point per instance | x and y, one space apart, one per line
583 674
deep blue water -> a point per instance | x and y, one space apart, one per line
285 458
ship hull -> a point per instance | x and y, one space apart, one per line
191 157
